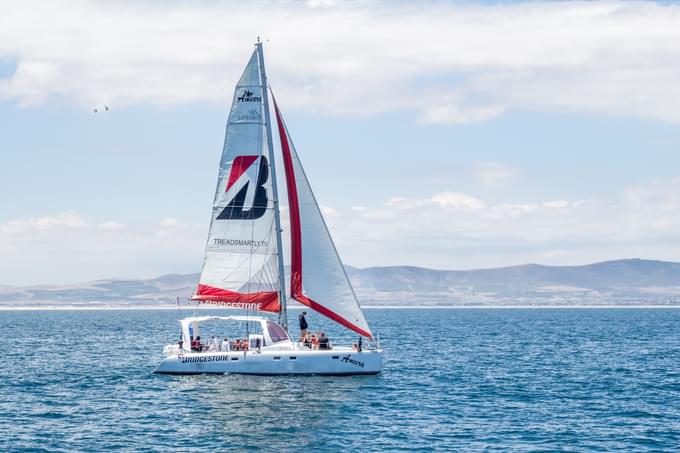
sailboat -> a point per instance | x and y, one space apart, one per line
244 264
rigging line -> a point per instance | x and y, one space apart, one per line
260 150
179 310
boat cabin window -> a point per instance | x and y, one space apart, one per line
276 332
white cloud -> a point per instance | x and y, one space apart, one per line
66 219
328 211
557 204
456 200
457 114
490 173
452 63
68 247
446 230
169 221
113 226
644 221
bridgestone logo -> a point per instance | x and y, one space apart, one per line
240 242
213 358
243 306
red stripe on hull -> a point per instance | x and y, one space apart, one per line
263 301
296 235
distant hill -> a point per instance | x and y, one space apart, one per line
628 281
621 282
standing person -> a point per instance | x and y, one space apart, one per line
225 345
213 346
303 326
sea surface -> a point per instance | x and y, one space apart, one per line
453 379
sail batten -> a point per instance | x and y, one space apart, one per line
318 278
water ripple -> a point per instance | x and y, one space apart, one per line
529 380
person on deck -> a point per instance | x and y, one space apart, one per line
323 342
315 342
237 345
213 346
307 342
225 345
244 344
303 325
196 345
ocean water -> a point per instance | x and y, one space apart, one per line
453 379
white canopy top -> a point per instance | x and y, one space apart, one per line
273 333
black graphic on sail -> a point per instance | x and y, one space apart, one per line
237 209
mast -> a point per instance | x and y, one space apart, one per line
283 314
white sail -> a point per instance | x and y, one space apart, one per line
318 278
240 267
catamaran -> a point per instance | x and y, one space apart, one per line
243 266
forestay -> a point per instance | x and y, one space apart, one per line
240 266
318 278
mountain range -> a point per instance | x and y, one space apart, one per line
620 282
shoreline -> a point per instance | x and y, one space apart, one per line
366 307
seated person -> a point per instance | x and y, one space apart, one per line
307 342
315 342
196 345
225 345
323 342
244 344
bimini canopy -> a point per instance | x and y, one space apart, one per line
273 333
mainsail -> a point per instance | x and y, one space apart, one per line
240 268
318 278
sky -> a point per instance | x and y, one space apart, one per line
450 135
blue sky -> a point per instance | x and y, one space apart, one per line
511 133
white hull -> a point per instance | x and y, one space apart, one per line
337 361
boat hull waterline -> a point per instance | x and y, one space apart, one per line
335 362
